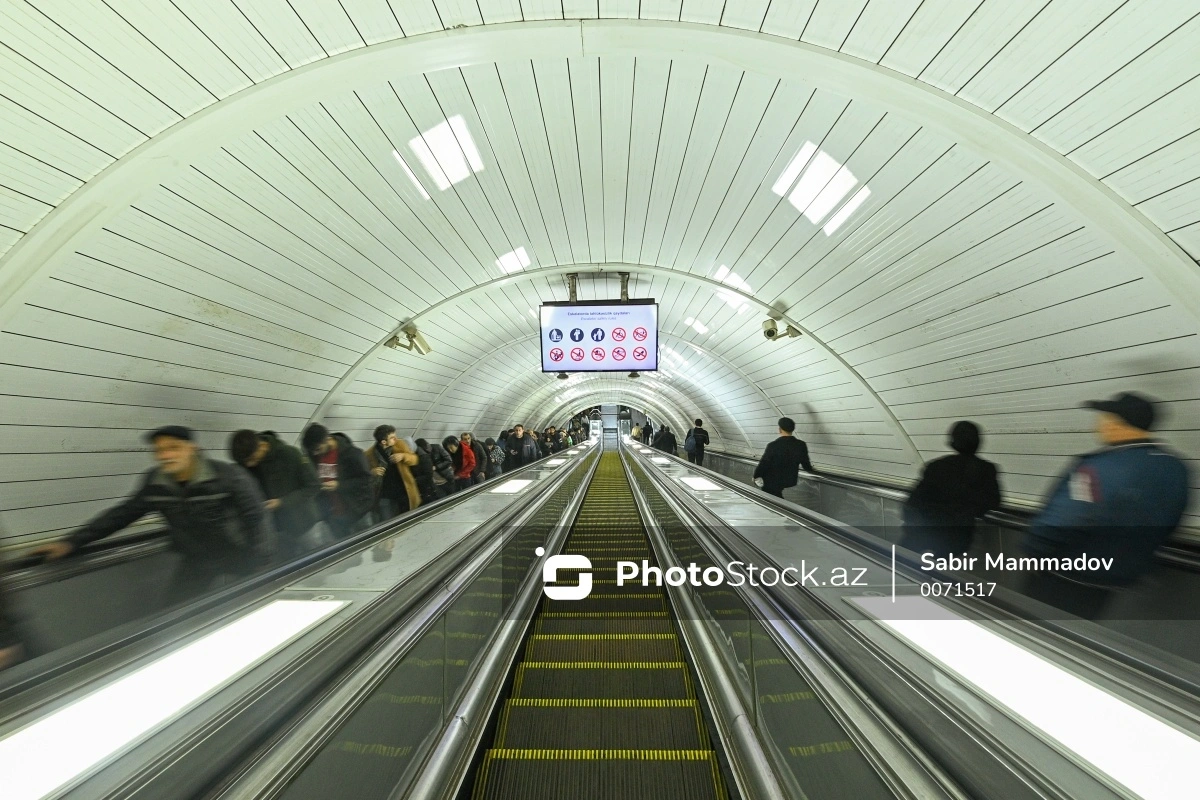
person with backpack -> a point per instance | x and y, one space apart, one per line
694 444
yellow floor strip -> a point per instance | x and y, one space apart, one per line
599 702
602 665
575 637
602 755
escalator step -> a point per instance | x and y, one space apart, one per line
620 626
580 728
604 647
623 602
636 679
600 774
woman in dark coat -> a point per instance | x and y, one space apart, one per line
939 516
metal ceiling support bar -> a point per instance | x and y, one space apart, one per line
624 286
573 286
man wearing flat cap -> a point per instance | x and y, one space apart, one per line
1119 502
215 515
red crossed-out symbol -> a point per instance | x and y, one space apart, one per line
597 354
577 354
618 334
639 334
618 353
556 354
639 353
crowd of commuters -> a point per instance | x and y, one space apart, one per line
275 501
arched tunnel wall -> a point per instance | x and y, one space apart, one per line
204 221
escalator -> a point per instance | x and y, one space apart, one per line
603 703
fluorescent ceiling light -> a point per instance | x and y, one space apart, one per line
447 152
788 176
512 262
819 173
699 326
1146 755
845 211
835 191
411 176
724 275
700 484
511 486
42 757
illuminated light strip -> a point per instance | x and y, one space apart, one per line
554 462
845 211
698 483
788 176
1151 758
511 486
411 176
40 758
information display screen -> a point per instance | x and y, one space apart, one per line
600 336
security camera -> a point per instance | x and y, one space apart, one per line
413 341
772 333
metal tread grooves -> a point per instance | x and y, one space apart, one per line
602 703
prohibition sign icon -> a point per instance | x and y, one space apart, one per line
618 353
618 334
639 334
556 354
639 353
577 354
597 354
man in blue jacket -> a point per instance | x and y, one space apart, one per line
1119 502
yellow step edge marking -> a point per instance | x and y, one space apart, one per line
604 615
408 699
601 755
601 665
823 748
571 637
626 596
599 702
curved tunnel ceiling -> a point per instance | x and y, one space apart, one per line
203 220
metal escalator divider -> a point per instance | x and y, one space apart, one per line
602 703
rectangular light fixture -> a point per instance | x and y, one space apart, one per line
512 262
511 486
699 484
819 173
1137 750
409 173
447 152
42 757
699 326
660 460
840 185
798 162
555 462
845 211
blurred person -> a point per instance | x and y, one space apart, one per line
216 517
552 439
648 433
494 454
481 461
1119 502
636 433
288 482
665 440
522 449
699 438
346 492
441 467
391 462
779 467
939 515
464 461
12 648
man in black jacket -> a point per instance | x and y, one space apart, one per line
665 440
780 463
287 480
215 514
346 494
522 449
699 438
939 516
